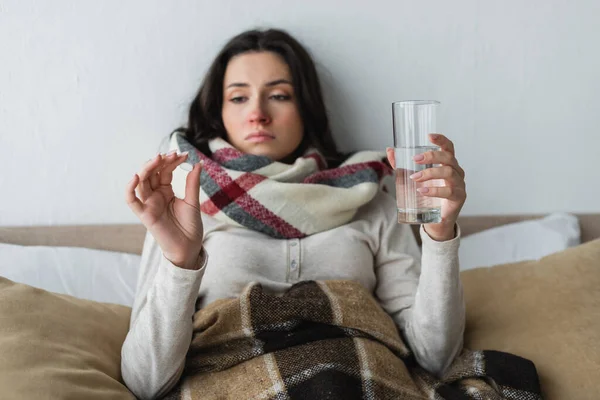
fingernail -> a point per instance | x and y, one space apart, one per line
419 157
423 189
185 153
172 152
434 136
416 175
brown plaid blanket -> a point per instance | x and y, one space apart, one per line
329 340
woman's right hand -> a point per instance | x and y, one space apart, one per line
175 224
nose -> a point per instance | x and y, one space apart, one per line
258 115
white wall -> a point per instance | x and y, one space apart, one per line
88 89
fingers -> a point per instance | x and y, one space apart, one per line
150 175
445 192
156 171
444 157
442 141
131 199
173 160
436 157
192 185
391 157
439 157
145 188
166 160
449 174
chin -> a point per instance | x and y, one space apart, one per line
263 152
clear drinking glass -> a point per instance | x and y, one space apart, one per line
413 121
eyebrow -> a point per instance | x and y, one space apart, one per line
272 83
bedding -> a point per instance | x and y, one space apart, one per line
56 346
328 339
105 276
519 241
547 311
111 276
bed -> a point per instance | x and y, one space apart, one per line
545 309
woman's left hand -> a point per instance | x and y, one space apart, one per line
453 193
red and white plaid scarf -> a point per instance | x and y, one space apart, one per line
281 200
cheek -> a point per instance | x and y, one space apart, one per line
230 115
290 118
233 119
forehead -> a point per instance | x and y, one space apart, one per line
256 68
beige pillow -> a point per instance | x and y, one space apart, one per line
59 347
547 311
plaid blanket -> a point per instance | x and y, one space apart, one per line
329 340
278 199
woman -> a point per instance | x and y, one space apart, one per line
261 102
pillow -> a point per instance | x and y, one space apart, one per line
59 347
97 275
547 311
520 241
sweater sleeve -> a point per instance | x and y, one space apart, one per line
422 293
160 331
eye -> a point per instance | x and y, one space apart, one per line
280 97
237 100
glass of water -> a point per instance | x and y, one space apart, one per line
413 121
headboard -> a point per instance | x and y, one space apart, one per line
130 237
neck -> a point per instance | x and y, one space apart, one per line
290 159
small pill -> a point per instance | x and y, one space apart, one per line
186 167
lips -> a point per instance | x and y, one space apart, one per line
259 137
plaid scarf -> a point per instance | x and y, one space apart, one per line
277 199
329 340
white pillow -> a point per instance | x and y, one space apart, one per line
98 275
520 241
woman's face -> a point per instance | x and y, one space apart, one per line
260 111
